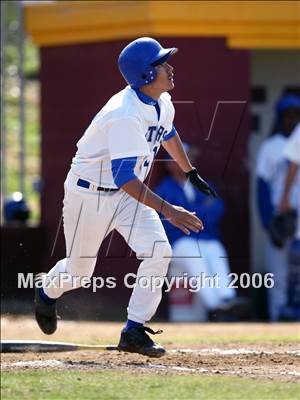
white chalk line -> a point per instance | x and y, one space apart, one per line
233 352
35 363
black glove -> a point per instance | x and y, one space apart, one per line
200 183
282 227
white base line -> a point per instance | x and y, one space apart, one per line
228 352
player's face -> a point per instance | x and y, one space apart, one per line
165 78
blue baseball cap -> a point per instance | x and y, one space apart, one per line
286 102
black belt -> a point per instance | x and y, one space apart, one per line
87 185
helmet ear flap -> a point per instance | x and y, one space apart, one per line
149 75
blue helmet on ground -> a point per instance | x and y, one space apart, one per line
15 209
138 59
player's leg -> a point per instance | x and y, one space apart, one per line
230 306
87 220
277 263
216 258
292 310
188 256
207 260
144 233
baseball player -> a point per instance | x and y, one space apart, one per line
292 154
204 252
104 190
270 173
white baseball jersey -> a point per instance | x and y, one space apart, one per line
292 148
124 127
292 153
272 168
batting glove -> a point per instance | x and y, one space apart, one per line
200 183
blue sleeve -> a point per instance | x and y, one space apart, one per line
159 190
123 170
214 210
211 209
171 134
264 204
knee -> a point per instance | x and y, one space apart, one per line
162 250
164 257
159 250
83 267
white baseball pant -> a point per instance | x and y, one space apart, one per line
89 216
277 263
194 256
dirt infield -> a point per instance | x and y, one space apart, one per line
252 350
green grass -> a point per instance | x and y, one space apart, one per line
196 340
216 339
125 385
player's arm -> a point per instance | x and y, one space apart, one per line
176 150
292 154
124 177
289 181
174 147
178 216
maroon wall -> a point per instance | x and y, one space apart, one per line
22 250
76 82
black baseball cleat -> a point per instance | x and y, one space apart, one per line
45 314
136 340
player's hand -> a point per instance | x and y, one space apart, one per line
284 206
181 218
200 183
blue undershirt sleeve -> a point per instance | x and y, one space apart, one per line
123 170
171 134
265 207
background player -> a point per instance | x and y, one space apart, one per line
292 154
201 252
104 190
271 172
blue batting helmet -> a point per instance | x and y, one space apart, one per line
15 209
287 101
138 59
